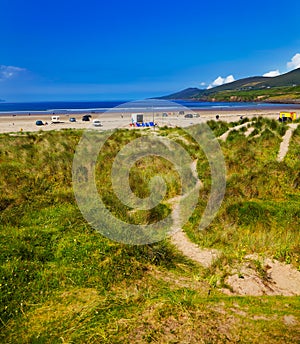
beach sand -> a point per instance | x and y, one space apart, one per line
12 123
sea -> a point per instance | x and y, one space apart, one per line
73 107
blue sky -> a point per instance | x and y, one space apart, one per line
126 50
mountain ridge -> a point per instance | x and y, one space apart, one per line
257 88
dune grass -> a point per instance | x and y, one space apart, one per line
260 212
62 282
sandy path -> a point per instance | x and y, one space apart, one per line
204 257
225 135
284 146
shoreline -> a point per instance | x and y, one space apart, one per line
15 122
101 107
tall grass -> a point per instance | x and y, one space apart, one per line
60 281
260 212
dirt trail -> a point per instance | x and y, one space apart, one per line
225 135
203 256
284 146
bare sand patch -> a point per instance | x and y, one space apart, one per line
274 278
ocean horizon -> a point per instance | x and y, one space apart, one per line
72 107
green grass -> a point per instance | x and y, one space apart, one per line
62 282
260 212
274 94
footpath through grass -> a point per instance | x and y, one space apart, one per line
62 282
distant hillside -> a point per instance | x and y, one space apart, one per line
188 93
289 79
241 84
258 88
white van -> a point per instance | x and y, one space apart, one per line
55 119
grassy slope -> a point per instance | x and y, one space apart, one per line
276 94
62 282
282 94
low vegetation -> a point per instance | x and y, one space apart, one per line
273 95
63 282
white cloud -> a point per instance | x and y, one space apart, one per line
221 81
8 72
295 62
202 84
228 79
272 73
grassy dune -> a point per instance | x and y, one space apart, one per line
62 282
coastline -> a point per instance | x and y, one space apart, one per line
14 122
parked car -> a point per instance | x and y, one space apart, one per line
39 122
72 119
196 115
165 114
97 123
188 115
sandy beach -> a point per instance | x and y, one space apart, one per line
11 123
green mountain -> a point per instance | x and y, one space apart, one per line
282 88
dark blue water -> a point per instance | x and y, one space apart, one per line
100 106
57 106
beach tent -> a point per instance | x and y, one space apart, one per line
86 118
